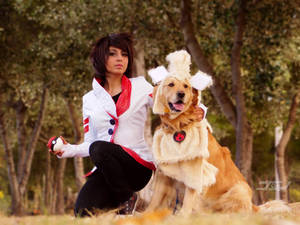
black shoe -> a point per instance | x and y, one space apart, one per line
128 207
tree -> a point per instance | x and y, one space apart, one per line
250 49
236 114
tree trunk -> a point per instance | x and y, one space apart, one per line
281 148
48 182
32 143
20 109
236 115
244 136
18 182
139 60
17 206
60 201
278 136
195 50
139 70
78 162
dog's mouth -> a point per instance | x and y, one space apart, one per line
177 106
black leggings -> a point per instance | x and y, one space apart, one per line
117 177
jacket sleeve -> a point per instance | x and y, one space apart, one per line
81 150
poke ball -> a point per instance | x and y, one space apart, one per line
55 143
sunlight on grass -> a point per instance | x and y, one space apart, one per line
162 217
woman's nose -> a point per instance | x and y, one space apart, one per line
119 57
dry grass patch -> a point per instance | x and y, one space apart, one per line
161 217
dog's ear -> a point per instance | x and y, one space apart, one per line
158 106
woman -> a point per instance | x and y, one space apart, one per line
114 114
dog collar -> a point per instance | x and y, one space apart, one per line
179 136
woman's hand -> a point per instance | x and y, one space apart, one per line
199 112
55 145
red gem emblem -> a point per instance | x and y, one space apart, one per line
179 136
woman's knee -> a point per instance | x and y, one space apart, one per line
99 150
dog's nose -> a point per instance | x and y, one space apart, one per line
180 94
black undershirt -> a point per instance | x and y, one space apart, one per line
116 97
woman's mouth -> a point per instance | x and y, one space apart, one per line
119 66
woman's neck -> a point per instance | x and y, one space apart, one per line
113 84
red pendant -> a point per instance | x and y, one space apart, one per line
179 136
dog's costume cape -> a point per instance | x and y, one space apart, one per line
186 160
182 155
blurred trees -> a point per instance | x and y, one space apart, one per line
233 26
251 50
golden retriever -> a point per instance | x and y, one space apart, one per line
187 153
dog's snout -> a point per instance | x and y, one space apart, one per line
180 94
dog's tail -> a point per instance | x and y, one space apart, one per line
272 207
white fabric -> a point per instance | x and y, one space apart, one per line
201 80
97 104
195 144
158 74
179 67
186 161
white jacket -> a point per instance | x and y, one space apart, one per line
102 123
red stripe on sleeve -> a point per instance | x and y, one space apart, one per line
86 121
86 129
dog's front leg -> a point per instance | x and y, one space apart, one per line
191 199
164 193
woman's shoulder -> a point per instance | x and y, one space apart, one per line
140 81
88 97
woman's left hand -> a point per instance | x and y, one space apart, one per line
199 112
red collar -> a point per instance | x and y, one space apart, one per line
123 102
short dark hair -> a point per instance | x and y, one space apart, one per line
100 51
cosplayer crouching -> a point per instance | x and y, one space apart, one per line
114 115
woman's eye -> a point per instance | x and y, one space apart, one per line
171 84
111 53
125 54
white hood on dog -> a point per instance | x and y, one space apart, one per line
179 67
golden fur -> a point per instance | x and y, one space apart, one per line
228 191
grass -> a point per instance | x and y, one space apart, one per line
162 217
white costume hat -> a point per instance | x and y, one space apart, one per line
179 67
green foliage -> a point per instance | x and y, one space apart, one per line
294 195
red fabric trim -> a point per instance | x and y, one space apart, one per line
132 153
86 121
137 158
86 129
88 174
98 80
123 102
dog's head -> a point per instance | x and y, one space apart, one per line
172 96
177 88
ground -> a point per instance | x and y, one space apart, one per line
162 217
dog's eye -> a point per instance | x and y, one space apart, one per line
185 86
171 84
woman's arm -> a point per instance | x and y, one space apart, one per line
79 150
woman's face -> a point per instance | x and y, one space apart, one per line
117 61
